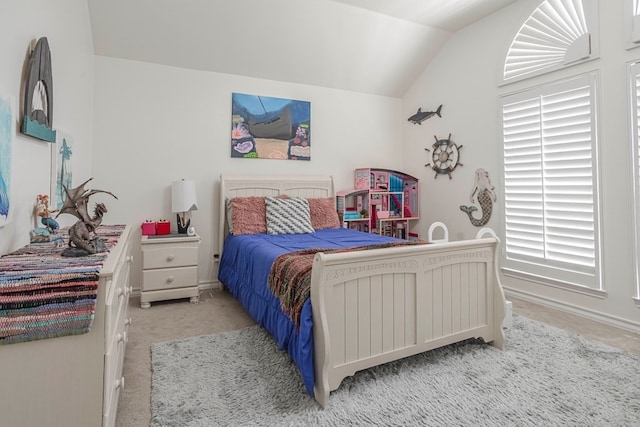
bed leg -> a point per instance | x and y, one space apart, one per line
499 310
321 395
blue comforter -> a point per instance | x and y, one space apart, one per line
244 270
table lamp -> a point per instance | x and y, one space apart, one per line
183 200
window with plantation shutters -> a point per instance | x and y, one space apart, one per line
634 77
550 182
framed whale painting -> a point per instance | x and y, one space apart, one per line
264 127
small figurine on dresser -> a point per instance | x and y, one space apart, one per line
47 233
43 211
82 239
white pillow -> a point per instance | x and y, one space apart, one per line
288 216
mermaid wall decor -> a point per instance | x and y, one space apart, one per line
486 196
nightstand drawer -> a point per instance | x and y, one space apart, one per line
169 257
168 278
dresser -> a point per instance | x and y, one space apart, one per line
169 268
73 380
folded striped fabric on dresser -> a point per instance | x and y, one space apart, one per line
46 295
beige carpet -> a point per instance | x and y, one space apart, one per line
218 311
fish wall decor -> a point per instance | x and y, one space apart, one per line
420 116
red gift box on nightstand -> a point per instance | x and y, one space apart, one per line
163 227
148 228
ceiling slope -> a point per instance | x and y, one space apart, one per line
448 15
330 43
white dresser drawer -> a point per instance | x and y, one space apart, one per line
115 311
170 278
114 384
169 257
112 363
109 417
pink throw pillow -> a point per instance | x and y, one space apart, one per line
323 213
248 215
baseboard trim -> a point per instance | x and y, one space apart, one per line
202 286
573 309
209 285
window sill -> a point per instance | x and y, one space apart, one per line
558 284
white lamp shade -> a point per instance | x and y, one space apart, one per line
183 196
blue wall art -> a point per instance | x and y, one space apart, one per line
7 132
263 127
62 172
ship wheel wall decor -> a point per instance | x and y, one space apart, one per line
444 156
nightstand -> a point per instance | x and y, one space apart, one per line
169 268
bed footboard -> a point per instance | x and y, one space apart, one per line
372 307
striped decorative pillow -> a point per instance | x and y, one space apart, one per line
288 216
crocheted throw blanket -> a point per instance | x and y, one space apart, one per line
290 275
45 295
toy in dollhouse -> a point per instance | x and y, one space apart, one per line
381 182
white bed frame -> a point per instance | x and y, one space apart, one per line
372 307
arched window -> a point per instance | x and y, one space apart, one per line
550 151
557 34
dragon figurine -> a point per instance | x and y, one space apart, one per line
82 241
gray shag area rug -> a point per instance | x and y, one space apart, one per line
545 377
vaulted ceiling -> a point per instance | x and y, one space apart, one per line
371 46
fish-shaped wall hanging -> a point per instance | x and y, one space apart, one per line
420 116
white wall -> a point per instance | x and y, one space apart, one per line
154 124
65 23
464 77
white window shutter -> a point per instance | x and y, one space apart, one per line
567 142
523 178
578 50
634 75
554 35
550 179
636 145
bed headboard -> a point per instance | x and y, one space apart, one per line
268 185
